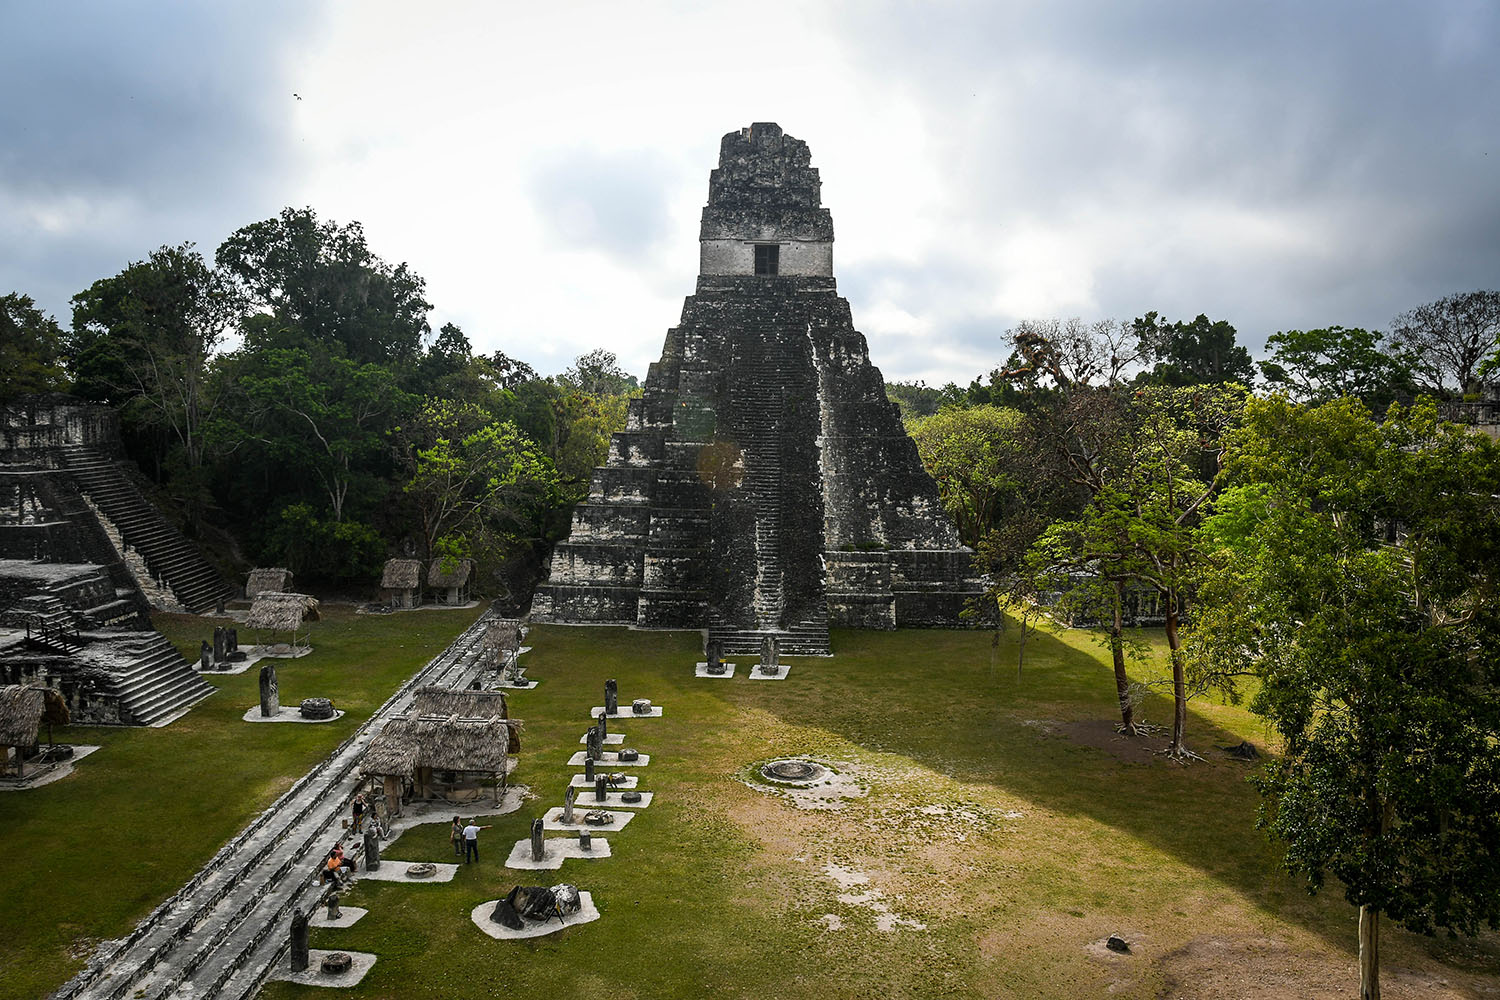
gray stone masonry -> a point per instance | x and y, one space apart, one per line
764 485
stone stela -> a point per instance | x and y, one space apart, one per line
270 700
763 485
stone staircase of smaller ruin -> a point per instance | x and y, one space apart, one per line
168 555
49 623
157 683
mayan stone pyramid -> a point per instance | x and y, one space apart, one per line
764 484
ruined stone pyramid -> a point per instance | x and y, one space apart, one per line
764 485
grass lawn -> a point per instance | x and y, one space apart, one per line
88 856
1001 816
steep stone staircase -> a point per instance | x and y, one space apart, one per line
50 625
157 682
168 555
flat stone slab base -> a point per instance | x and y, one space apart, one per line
559 849
579 781
609 761
348 917
229 667
625 713
610 739
314 975
36 778
395 871
417 813
587 913
519 687
287 714
701 670
279 651
553 821
612 800
756 675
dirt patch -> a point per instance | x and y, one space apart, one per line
1100 734
1228 968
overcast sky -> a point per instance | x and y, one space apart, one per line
1276 164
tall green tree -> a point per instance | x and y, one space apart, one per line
327 417
1317 366
31 349
146 341
1354 568
1199 352
979 459
315 282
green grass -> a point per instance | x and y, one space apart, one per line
89 856
717 888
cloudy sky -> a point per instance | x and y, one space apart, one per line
1275 164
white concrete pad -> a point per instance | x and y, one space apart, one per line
609 761
579 781
56 772
624 712
586 800
278 651
230 667
558 850
756 675
701 670
287 714
610 739
553 820
531 682
348 917
587 913
395 871
314 975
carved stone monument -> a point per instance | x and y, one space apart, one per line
538 849
333 906
206 657
611 697
641 706
603 724
599 789
585 840
594 745
567 813
221 644
299 941
716 657
770 656
763 483
270 701
588 768
372 851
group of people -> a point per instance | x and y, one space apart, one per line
465 838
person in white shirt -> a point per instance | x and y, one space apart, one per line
471 841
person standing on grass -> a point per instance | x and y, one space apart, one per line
359 811
456 834
471 841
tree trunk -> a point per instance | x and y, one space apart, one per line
1117 652
1021 655
1179 679
1369 953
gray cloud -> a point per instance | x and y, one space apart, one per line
617 203
129 125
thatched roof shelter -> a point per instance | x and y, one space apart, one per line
23 709
448 744
449 572
282 612
402 574
268 580
444 702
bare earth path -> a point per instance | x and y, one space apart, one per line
221 933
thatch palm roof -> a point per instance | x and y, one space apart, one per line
282 612
402 574
456 573
504 634
450 744
24 708
268 580
464 704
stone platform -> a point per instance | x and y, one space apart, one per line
587 913
609 761
552 820
559 849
